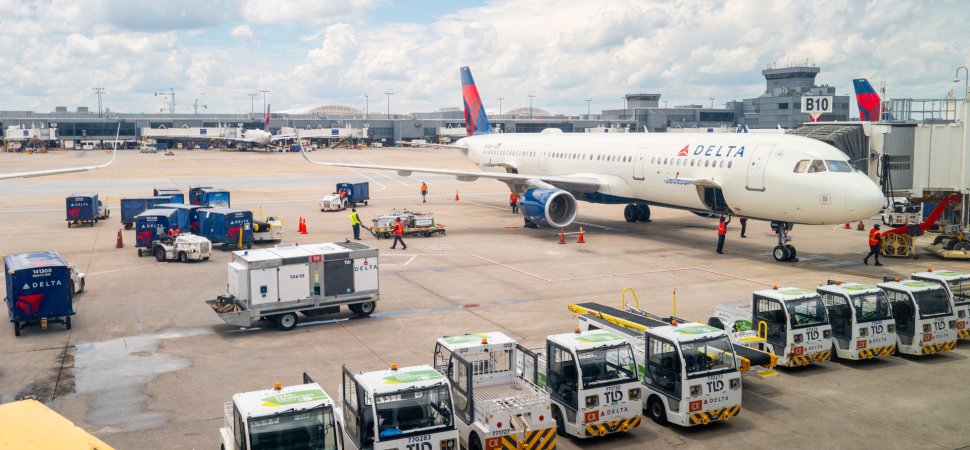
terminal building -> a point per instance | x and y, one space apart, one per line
781 103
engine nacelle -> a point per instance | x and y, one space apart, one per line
553 208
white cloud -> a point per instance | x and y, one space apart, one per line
241 32
301 12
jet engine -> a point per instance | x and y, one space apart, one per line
553 208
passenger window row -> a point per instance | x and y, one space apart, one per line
716 163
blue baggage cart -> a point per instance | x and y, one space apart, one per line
40 289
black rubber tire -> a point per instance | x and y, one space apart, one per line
937 240
128 226
716 323
365 309
286 321
205 258
16 328
643 213
365 202
781 253
560 423
630 213
82 286
159 254
656 412
69 224
793 254
183 257
67 322
474 442
353 309
961 245
426 233
386 235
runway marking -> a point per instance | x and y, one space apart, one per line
358 172
121 270
379 172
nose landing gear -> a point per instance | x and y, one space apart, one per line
784 252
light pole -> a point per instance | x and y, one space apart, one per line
966 79
100 92
531 96
171 95
388 94
366 105
252 103
500 105
588 100
712 101
264 99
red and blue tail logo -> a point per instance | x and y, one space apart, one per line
266 124
867 99
476 122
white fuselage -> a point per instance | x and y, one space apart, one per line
755 173
257 136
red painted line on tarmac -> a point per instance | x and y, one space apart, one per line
732 276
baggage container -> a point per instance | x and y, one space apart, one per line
276 284
133 206
195 194
82 208
40 289
224 226
214 198
151 225
176 195
187 216
355 193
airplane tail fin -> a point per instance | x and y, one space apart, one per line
476 121
266 123
867 99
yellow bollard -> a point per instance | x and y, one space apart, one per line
675 302
240 238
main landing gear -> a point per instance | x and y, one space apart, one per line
637 212
784 252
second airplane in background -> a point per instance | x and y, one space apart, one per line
782 178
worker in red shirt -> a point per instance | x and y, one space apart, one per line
514 203
342 193
398 233
875 236
424 192
721 232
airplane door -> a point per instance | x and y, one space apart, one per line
639 162
756 167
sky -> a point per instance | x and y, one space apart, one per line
310 53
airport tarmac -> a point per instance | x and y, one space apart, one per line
148 365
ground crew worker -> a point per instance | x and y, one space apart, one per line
514 203
342 193
398 234
173 232
424 192
744 225
721 232
875 236
355 222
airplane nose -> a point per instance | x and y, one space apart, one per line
865 199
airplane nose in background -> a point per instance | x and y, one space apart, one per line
865 200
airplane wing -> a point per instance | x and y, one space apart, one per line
569 183
420 145
693 181
41 173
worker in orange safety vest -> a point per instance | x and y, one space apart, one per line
721 232
398 234
875 236
514 203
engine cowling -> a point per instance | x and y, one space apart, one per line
552 208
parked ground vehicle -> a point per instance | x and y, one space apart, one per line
195 194
28 424
85 208
408 408
925 323
861 318
176 195
269 230
214 198
184 247
276 284
151 226
902 212
186 216
792 323
133 206
40 289
495 407
333 202
291 417
225 226
422 223
691 372
958 285
591 379
355 193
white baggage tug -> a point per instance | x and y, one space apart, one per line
861 319
403 409
496 408
925 323
691 371
300 416
792 323
591 380
958 285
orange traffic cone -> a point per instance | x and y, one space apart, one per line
304 227
456 196
847 226
861 226
121 241
581 239
562 235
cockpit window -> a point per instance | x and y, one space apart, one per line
838 166
817 166
801 166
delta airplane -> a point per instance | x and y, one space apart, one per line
41 173
782 178
260 137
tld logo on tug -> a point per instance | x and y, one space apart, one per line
733 151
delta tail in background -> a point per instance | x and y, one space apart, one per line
783 178
260 137
41 173
871 106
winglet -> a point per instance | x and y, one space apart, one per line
476 121
867 99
